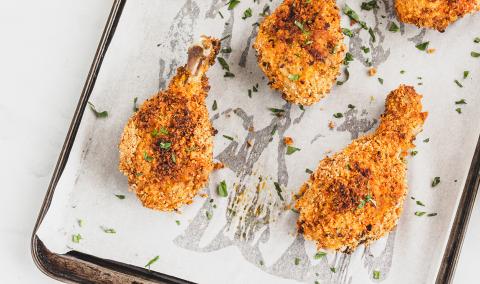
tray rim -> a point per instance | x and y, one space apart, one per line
76 267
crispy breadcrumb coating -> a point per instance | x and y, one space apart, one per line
166 149
356 196
434 14
300 49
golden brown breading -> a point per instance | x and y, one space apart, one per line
434 14
166 148
356 196
300 48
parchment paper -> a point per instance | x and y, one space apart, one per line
251 237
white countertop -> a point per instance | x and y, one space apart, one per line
45 53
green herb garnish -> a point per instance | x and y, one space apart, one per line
135 108
347 32
228 137
426 140
393 27
372 35
151 261
232 4
338 115
223 63
347 76
146 157
354 16
291 150
209 215
376 274
120 196
380 80
164 145
278 188
308 171
414 152
365 49
465 74
297 261
76 238
333 269
319 255
109 230
420 203
369 5
432 214
422 46
214 106
228 75
222 189
435 181
474 54
348 58
98 114
461 102
420 213
458 84
293 77
178 222
247 13
459 110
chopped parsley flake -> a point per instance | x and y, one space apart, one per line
232 4
435 181
174 158
461 102
368 198
222 189
380 80
109 230
165 145
98 114
223 63
135 108
422 46
420 213
178 222
293 77
348 58
458 84
369 5
277 111
402 71
350 106
426 140
209 215
432 214
228 137
301 27
476 40
308 171
120 196
338 115
291 150
420 203
151 261
76 238
393 27
459 110
333 269
365 49
247 13
81 222
278 188
146 157
319 255
376 274
297 261
154 133
474 54
353 16
214 106
465 74
228 75
414 152
347 76
347 32
372 35
163 130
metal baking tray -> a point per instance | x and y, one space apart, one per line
76 267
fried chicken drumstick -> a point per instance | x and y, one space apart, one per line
434 14
166 149
300 49
356 196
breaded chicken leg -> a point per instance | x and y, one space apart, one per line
300 49
166 149
356 196
434 14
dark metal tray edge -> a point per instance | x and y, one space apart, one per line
76 267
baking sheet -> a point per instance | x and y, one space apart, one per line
151 40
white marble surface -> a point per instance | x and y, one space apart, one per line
45 53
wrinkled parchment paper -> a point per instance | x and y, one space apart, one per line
251 237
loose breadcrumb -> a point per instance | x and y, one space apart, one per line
288 141
372 71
